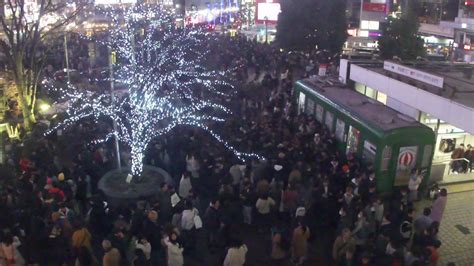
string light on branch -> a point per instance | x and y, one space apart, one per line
166 79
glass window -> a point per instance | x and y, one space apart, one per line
386 156
352 140
301 102
369 152
340 127
382 97
360 88
329 120
309 107
427 152
369 92
319 113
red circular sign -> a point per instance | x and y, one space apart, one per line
406 158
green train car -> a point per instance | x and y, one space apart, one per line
394 143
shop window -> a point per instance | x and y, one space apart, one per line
329 120
360 88
447 145
386 156
427 151
369 92
382 97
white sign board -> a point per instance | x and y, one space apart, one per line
414 74
268 11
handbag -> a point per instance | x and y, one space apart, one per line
197 221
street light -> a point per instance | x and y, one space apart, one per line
112 59
66 54
266 29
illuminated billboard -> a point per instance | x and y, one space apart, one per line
375 6
267 11
114 2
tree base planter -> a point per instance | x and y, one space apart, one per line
115 186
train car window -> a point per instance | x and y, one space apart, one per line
427 151
329 120
301 102
352 140
309 107
319 113
340 127
386 156
369 152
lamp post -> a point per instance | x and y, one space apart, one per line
66 54
112 95
266 29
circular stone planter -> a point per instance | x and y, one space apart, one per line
116 188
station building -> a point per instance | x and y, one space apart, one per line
439 95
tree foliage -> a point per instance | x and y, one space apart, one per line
23 45
304 25
400 37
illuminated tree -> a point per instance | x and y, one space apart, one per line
167 83
26 26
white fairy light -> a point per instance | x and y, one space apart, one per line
167 82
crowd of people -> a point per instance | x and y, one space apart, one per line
306 203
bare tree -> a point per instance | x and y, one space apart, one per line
25 29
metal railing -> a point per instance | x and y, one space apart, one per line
450 164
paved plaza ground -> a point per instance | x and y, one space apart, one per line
457 230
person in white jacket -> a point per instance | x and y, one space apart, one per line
185 185
414 184
9 251
143 244
236 253
174 250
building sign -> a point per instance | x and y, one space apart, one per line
267 11
414 74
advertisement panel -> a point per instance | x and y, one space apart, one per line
406 161
375 6
267 11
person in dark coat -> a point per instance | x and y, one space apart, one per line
212 221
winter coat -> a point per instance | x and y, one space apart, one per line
236 256
184 187
299 242
111 258
81 238
11 252
438 207
175 254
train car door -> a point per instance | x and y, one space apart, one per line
301 102
352 140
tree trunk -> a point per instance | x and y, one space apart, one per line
137 153
27 110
